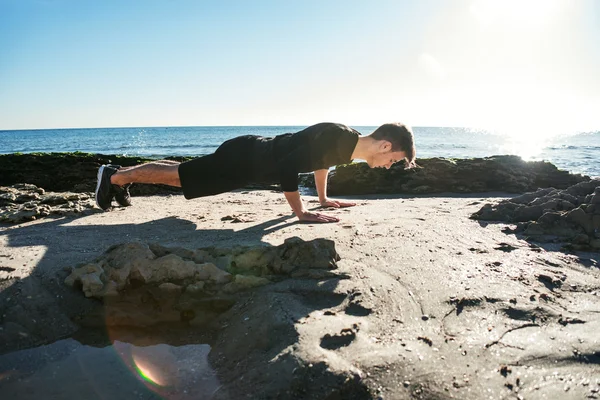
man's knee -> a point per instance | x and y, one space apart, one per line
174 174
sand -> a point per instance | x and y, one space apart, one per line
427 303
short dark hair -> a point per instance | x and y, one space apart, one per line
401 138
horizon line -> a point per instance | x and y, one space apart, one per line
228 126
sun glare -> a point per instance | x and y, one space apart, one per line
516 13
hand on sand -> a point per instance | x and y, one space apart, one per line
308 216
336 203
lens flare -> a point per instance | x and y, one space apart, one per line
148 374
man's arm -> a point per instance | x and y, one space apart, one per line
302 213
321 184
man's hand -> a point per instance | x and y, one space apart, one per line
308 216
336 203
303 215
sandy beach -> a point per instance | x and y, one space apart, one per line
466 132
424 303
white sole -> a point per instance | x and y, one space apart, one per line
100 171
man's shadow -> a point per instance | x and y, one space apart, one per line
40 308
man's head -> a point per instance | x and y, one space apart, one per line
391 143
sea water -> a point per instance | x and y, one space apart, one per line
578 152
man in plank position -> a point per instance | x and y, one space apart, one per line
251 159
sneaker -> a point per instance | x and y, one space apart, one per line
121 193
104 189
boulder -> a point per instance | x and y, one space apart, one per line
168 268
567 215
142 285
209 272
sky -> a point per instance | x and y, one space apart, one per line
531 64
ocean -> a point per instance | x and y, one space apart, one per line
575 152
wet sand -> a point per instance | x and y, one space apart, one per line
427 303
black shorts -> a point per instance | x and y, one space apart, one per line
230 167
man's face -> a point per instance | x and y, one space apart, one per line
386 159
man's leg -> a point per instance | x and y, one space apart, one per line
113 181
158 172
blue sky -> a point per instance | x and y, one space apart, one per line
484 63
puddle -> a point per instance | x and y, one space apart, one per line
68 369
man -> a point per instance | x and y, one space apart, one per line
247 159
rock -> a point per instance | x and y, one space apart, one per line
498 173
124 258
170 288
202 256
528 198
76 170
92 285
533 229
554 214
169 268
244 282
528 213
549 218
8 197
160 251
76 274
582 188
210 272
581 219
581 239
316 254
21 203
61 198
141 289
195 288
18 216
110 289
224 262
256 260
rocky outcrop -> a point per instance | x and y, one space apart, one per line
26 202
74 172
571 215
145 284
437 175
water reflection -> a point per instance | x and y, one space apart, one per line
69 370
528 148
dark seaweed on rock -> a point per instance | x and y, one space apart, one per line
74 172
438 175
